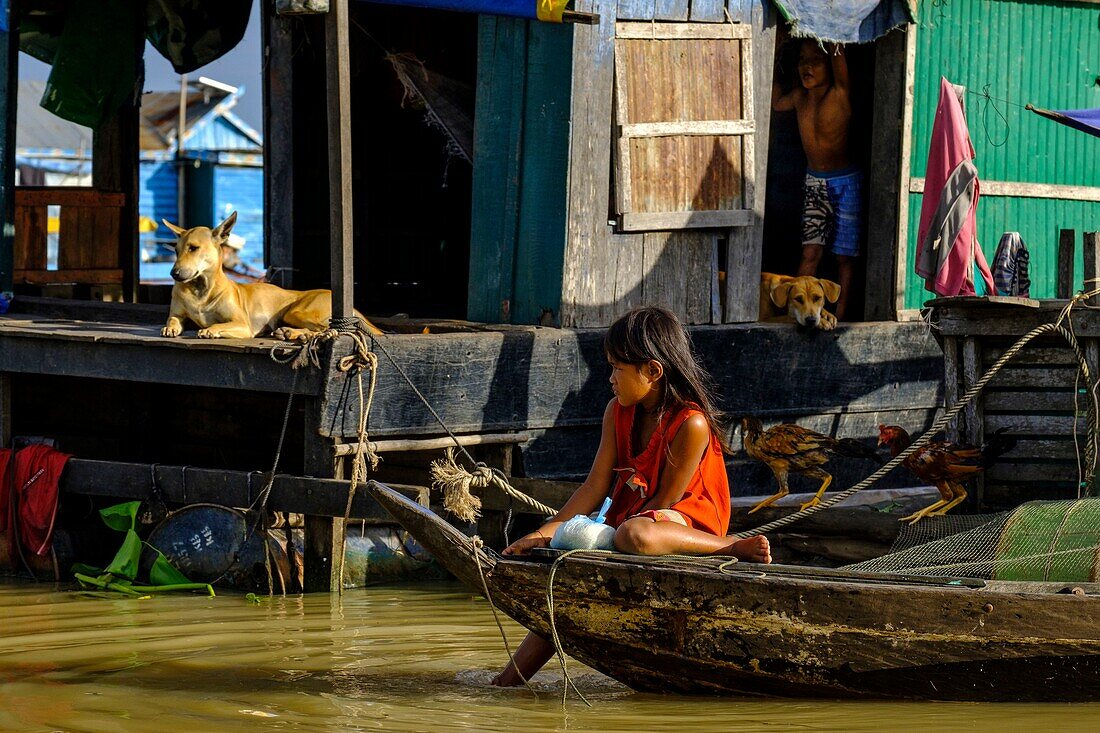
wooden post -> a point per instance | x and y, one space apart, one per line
1065 263
884 177
324 536
951 382
745 244
973 414
9 85
279 159
115 158
338 90
491 525
1091 252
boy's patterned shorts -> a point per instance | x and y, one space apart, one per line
832 205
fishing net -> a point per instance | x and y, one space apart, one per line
1056 541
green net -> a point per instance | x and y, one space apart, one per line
1056 541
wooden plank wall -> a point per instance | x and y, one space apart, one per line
605 273
554 383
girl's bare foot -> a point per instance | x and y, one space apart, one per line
752 549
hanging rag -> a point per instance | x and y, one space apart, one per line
1010 266
947 240
29 483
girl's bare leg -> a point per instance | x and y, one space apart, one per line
643 536
530 656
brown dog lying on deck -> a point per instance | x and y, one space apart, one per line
799 299
222 308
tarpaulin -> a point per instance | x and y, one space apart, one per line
1085 120
548 10
844 21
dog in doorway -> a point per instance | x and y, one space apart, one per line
221 308
801 300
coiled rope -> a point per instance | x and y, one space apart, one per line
307 353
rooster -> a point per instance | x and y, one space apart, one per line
948 466
788 449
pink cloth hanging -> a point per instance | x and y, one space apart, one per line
947 240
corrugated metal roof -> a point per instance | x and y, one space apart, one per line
38 128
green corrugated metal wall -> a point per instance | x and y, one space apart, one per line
1046 53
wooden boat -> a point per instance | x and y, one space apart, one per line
683 625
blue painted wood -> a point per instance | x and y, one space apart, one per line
708 11
540 246
498 134
670 10
636 9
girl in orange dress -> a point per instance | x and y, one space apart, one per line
660 461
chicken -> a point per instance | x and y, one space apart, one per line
788 449
948 466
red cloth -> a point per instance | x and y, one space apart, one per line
947 239
706 500
29 485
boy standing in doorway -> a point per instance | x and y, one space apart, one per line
832 203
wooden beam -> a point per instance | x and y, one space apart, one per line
883 178
689 127
426 444
9 85
679 31
744 244
324 531
278 100
115 155
974 413
1023 189
106 354
1066 239
671 220
902 269
76 195
187 485
338 91
1091 252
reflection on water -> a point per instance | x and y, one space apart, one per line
405 658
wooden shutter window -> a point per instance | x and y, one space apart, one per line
683 108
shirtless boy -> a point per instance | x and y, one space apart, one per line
832 198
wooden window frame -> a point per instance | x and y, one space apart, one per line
745 127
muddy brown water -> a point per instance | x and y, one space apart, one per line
399 658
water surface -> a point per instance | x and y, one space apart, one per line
401 658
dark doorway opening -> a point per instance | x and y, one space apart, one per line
782 248
412 191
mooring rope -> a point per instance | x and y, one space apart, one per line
478 544
455 480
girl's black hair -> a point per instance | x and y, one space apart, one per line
651 332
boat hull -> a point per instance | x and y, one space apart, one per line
684 626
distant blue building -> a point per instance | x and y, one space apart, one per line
221 165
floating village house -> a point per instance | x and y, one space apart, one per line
220 168
570 171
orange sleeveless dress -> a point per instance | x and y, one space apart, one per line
706 500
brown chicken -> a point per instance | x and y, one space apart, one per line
788 449
948 466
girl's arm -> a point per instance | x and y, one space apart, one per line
685 452
588 496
